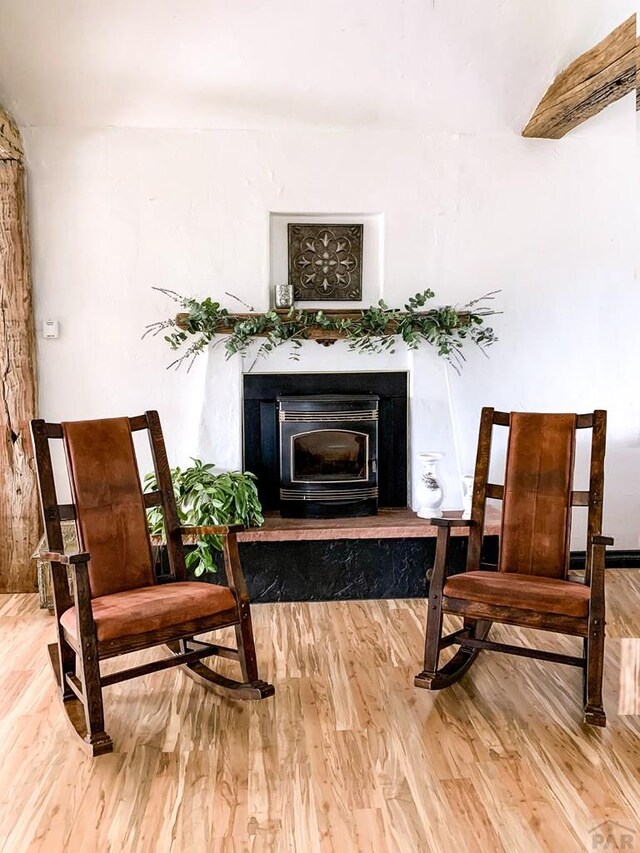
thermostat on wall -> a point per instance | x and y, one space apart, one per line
50 329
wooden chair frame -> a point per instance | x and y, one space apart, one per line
478 617
76 664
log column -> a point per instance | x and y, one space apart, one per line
19 513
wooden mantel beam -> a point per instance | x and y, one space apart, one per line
10 141
594 80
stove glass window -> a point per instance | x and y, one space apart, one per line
329 455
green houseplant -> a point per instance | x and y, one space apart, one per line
204 497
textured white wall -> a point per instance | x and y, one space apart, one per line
161 135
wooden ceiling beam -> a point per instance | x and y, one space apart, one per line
10 140
594 80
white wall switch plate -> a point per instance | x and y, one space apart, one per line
50 329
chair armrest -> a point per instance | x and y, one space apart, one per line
65 559
79 564
602 540
452 522
211 529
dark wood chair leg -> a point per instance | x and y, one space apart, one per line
66 656
252 687
432 644
594 714
433 632
246 645
96 739
66 663
431 677
454 669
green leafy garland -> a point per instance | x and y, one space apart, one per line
376 329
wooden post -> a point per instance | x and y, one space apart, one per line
638 73
19 514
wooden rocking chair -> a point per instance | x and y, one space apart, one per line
531 587
117 606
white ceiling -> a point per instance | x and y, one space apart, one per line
432 65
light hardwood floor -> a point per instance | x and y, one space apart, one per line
348 756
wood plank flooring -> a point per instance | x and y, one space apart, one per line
348 756
629 702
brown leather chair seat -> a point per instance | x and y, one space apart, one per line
152 608
524 592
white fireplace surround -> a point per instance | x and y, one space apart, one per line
434 422
430 416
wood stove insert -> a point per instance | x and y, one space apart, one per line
261 432
328 448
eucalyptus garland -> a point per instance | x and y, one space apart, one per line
374 329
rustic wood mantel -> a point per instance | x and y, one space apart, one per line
313 332
19 514
325 337
590 83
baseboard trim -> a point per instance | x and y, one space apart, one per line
614 559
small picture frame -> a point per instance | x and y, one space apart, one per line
325 261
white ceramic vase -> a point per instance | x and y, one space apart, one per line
430 492
467 495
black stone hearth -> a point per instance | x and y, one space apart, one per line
342 569
346 569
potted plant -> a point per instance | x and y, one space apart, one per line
204 497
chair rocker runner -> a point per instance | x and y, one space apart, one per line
117 606
531 587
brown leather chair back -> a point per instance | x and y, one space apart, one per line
536 511
110 510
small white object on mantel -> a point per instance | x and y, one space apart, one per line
430 493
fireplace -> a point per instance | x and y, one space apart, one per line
263 394
328 448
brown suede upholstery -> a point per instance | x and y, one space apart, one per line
526 592
152 608
536 512
112 523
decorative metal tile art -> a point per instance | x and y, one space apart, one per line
325 261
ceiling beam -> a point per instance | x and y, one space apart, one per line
594 80
10 141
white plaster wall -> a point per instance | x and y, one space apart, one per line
434 65
161 136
